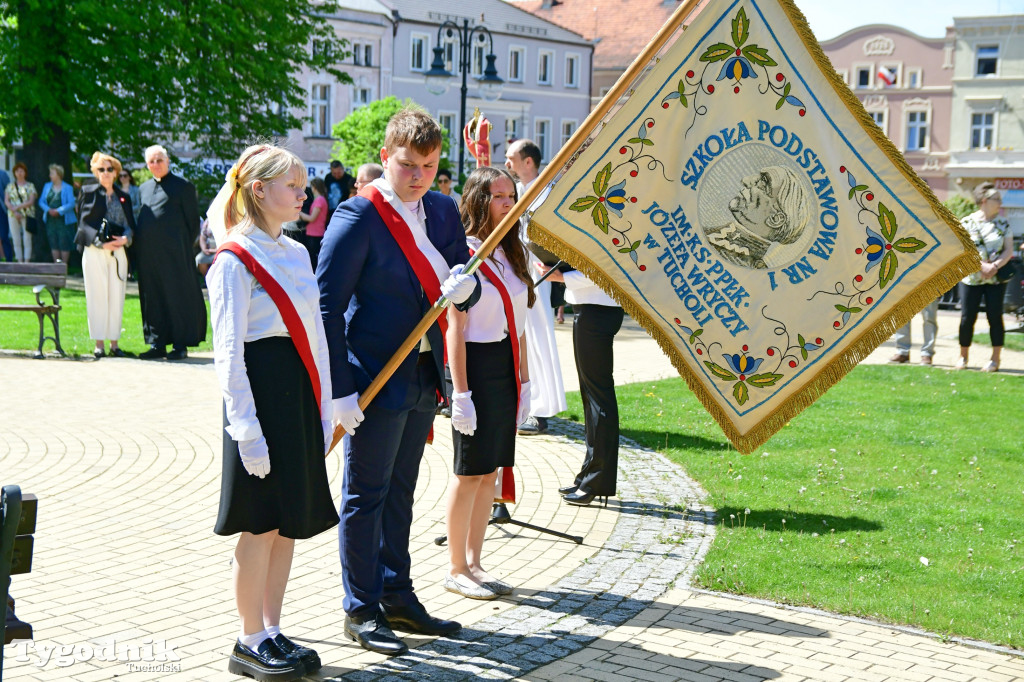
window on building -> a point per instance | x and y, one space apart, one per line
572 70
479 59
516 64
357 54
320 101
863 77
982 129
418 54
987 61
447 121
844 75
914 79
917 131
568 128
542 136
449 55
321 48
544 60
888 76
879 118
512 129
367 55
361 97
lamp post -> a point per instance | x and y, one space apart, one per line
437 78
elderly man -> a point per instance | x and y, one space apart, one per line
367 173
171 298
770 209
547 392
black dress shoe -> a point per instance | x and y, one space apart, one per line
414 618
154 353
309 658
373 634
582 498
178 353
568 489
97 353
267 662
117 353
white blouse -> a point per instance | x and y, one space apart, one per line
242 311
579 290
486 321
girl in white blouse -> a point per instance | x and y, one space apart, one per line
271 358
487 356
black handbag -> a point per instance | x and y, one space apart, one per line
109 231
32 225
1005 273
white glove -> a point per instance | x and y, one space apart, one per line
255 456
463 413
458 287
328 427
348 413
524 403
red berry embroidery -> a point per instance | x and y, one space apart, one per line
858 278
743 377
699 352
643 268
888 247
779 77
818 341
858 252
632 174
803 111
650 124
771 352
842 169
711 89
632 200
869 196
745 348
869 300
736 89
622 150
678 321
600 198
792 363
615 241
836 324
665 105
689 74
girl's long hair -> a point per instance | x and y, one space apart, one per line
476 219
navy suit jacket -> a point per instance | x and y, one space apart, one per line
371 300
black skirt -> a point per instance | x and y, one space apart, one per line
295 498
490 373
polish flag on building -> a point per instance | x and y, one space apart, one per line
887 75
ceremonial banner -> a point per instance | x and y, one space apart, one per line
744 208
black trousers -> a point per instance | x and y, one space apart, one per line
593 332
970 302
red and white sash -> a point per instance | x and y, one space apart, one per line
301 327
426 261
505 484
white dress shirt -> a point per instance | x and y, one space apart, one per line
242 311
487 322
579 290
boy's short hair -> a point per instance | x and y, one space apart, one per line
413 128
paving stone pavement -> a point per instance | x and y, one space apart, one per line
124 456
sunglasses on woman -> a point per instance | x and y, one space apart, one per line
105 170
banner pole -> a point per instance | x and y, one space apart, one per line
531 194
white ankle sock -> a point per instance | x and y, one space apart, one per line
273 631
254 640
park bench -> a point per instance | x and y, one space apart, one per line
48 277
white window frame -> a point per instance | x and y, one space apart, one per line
917 106
357 54
844 75
453 132
572 57
320 110
521 51
450 45
541 54
899 76
854 84
543 142
368 54
977 49
427 55
914 73
512 131
356 90
561 131
884 123
995 128
478 58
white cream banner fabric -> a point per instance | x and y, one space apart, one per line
742 206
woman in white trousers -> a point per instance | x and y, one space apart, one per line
105 227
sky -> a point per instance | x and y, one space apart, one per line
927 18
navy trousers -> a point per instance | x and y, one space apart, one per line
382 462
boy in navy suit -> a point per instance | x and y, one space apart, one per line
387 255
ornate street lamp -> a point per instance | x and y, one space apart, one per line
438 78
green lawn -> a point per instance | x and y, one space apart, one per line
20 331
898 496
1011 341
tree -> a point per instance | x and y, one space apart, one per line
360 135
960 206
121 76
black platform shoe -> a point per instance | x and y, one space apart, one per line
267 663
568 489
309 658
581 498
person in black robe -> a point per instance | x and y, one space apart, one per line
170 295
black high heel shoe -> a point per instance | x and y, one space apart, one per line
568 489
582 498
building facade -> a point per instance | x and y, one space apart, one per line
546 69
987 139
905 83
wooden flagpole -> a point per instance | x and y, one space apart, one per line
530 195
